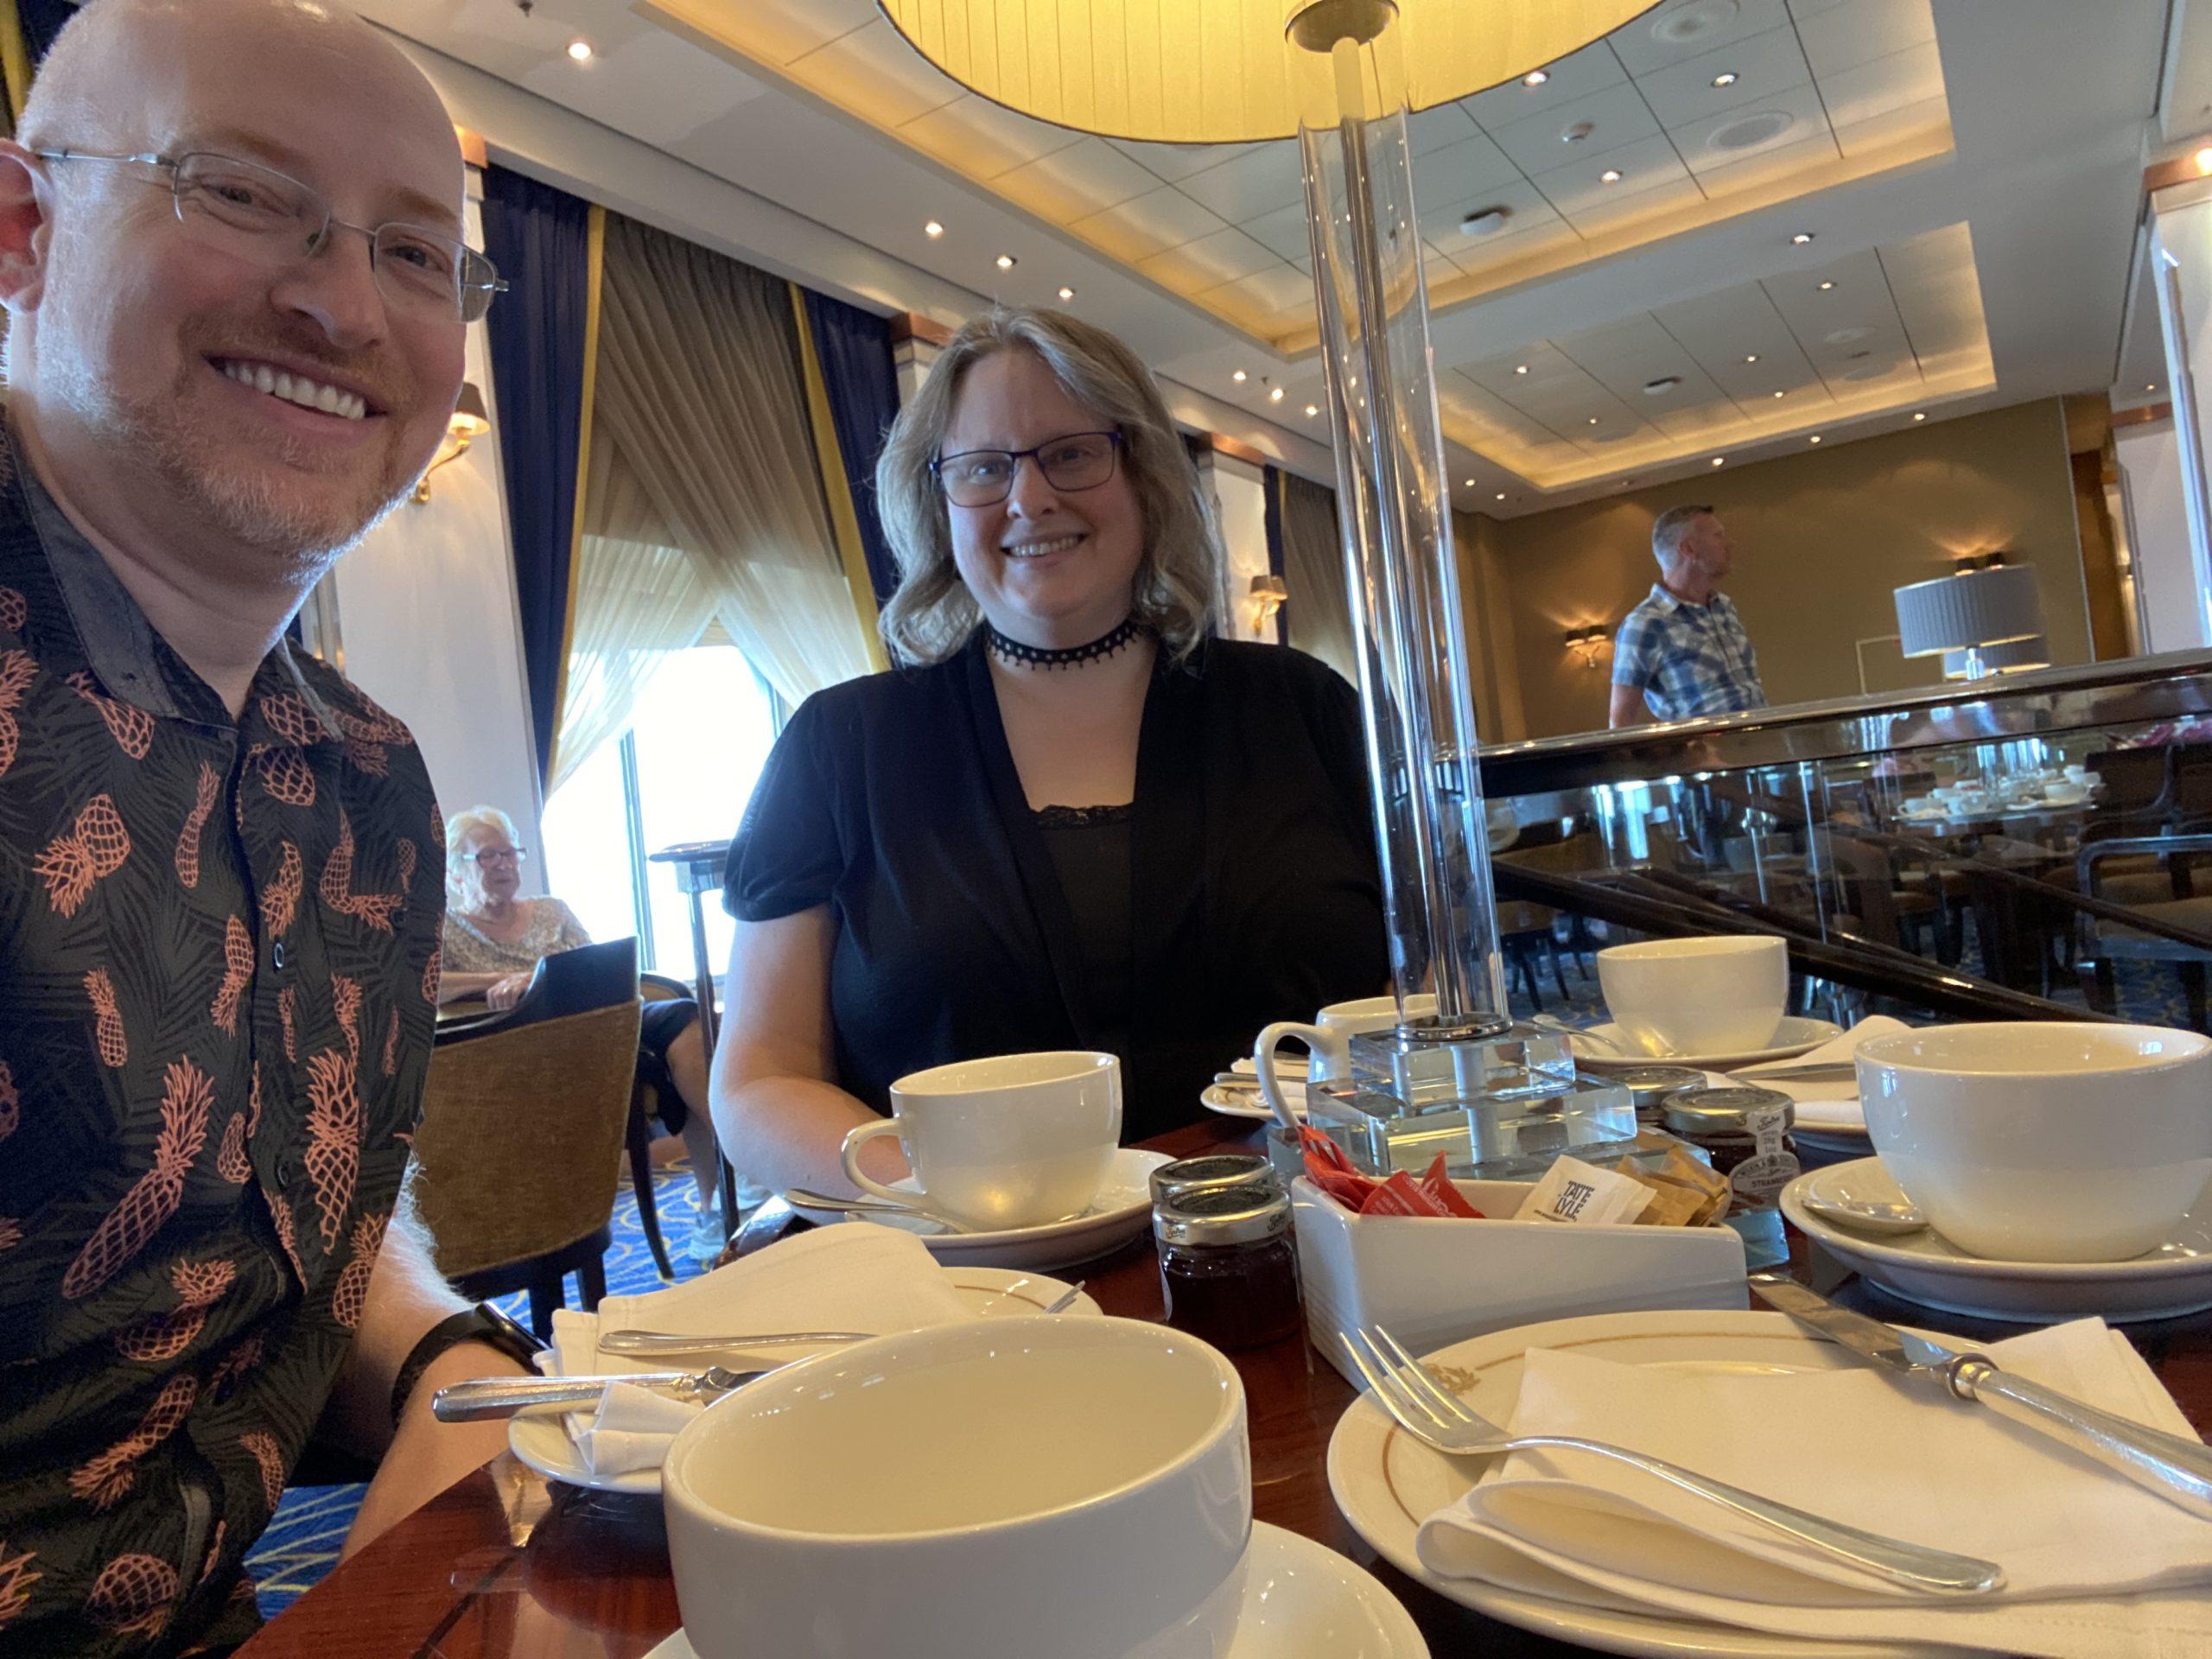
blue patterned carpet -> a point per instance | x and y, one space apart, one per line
302 1542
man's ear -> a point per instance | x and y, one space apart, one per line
26 202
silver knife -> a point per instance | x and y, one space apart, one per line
2177 1468
503 1397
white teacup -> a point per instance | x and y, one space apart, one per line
1710 994
1014 1140
2043 1140
1328 1041
1080 1487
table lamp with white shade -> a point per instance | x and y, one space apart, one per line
1972 612
1343 78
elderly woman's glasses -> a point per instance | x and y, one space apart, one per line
983 478
272 218
484 856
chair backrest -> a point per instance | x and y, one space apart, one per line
569 981
660 987
520 1144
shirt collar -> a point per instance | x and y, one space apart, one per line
1670 601
121 646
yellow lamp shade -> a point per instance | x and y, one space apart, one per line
1211 72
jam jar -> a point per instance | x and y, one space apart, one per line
1649 1086
1743 1133
1213 1172
1227 1266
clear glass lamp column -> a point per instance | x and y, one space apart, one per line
1456 1076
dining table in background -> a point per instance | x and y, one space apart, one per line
504 1565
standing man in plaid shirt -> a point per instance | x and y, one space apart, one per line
1683 652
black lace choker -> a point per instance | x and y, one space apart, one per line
1070 657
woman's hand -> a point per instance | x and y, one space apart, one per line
503 993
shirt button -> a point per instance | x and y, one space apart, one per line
288 1169
276 956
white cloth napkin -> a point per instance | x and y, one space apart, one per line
872 1278
2097 1567
1827 1105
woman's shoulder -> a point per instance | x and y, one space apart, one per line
891 694
1249 667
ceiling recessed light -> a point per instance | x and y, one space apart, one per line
932 229
1535 77
1067 293
1501 494
1312 409
1593 420
1471 483
1006 262
1800 238
1520 368
1751 356
1815 438
1610 175
1782 394
1920 415
2151 386
1717 460
1825 287
2203 159
580 50
1275 395
1238 377
1726 78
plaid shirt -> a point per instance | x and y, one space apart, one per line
1688 659
217 967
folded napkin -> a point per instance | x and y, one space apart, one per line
2095 1566
872 1278
1827 1105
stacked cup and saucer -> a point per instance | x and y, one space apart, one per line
2059 1169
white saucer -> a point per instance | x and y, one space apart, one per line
1121 1211
1797 1035
1928 1268
540 1438
1302 1600
1249 1103
1387 1483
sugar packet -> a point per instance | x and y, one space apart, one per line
1328 1169
1572 1191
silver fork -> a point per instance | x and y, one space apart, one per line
1437 1417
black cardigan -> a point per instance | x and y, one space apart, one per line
894 800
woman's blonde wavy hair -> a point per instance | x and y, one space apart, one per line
932 614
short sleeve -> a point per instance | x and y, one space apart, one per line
569 934
1635 652
787 855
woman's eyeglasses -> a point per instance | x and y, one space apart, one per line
497 855
983 478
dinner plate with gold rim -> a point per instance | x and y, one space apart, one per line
1302 1600
1387 1483
1928 1268
1796 1034
540 1437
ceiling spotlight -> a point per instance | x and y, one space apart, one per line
1275 395
932 230
2203 159
580 50
1920 415
1726 78
1751 357
1238 377
1520 368
1535 77
1501 494
1006 262
1815 438
1312 409
1825 287
1781 394
1800 238
1610 175
1471 483
1717 460
2152 385
1067 293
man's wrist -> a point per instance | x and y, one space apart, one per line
461 1364
480 1331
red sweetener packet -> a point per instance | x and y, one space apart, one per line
1437 1185
1330 1169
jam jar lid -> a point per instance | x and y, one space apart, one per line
1723 1111
1226 1215
1213 1172
1650 1084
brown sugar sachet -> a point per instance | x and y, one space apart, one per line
1684 1193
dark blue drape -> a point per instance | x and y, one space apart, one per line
854 347
42 21
539 238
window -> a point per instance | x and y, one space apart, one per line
703 728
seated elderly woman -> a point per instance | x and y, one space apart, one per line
1070 818
494 940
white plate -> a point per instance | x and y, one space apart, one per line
1287 1066
1302 1600
1249 1104
1387 1483
540 1437
1928 1268
1795 1035
1121 1211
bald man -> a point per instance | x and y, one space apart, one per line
230 249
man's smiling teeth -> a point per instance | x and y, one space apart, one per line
1038 550
297 388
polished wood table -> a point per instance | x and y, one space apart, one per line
504 1565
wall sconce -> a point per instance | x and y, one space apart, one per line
469 422
1590 644
1268 593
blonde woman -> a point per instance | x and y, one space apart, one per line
1071 818
494 938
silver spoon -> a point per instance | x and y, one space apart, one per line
503 1397
801 1198
1868 1214
678 1342
1554 1023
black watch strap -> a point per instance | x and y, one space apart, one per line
482 1323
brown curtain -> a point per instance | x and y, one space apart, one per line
704 498
1317 616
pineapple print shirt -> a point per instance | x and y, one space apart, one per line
217 973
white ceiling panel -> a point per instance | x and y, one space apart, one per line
1769 166
1085 178
792 28
1616 116
1208 261
1173 161
1843 36
901 84
1574 77
657 86
1637 214
1284 232
1763 66
1149 224
982 139
1582 187
1690 29
1249 186
1792 117
1880 84
1475 168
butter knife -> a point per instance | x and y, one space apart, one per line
2177 1468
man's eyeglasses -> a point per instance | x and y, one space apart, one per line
497 855
983 478
262 214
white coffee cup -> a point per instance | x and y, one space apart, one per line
2043 1140
1708 994
1014 1141
1077 1487
1328 1041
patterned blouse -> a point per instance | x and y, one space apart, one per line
553 928
218 982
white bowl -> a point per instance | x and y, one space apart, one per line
958 1490
1717 994
2043 1140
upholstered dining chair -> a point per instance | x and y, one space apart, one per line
517 1160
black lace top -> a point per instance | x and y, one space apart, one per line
1090 846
